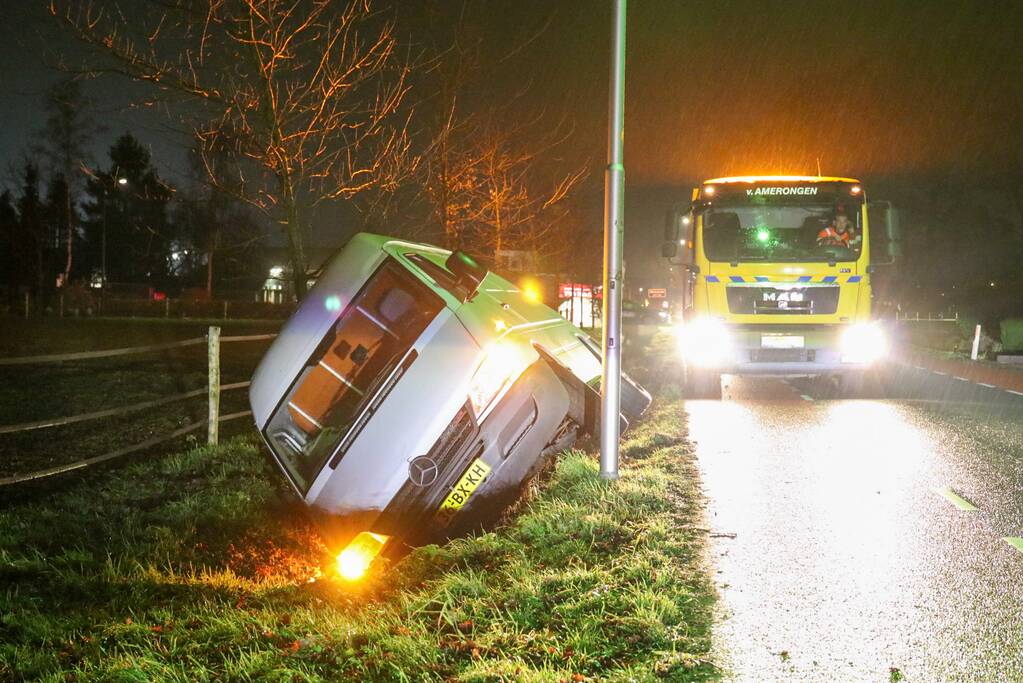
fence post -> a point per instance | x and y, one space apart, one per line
62 304
166 307
26 304
225 310
976 344
214 385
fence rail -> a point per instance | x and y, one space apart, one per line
184 308
80 464
112 412
108 353
213 390
135 305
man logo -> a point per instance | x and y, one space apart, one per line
422 471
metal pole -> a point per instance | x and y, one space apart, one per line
103 249
614 229
213 350
976 344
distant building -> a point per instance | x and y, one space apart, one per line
278 285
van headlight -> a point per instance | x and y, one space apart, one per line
705 342
502 363
863 343
354 560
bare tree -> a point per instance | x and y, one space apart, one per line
492 192
307 92
67 133
489 171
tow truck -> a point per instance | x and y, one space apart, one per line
766 290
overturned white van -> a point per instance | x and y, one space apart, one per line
413 394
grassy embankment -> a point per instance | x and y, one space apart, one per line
197 566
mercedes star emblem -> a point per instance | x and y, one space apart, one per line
422 471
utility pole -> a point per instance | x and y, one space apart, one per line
103 240
614 232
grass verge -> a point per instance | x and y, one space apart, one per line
198 566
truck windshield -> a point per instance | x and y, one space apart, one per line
372 334
826 232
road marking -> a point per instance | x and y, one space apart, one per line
961 379
805 397
985 384
957 500
939 372
1018 393
1015 542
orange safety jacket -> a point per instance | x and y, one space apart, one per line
832 236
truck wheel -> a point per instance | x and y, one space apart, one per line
702 384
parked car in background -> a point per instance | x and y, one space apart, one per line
413 394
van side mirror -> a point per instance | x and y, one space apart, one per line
467 271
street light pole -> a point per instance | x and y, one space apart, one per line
614 230
103 239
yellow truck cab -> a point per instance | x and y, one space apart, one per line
776 278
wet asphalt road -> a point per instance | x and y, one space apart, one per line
839 538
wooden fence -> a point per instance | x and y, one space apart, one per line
147 307
213 341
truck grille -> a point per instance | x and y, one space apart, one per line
779 301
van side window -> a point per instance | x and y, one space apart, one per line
439 274
372 334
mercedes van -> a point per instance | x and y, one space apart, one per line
413 394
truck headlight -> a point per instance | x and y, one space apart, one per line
863 343
502 363
705 342
355 559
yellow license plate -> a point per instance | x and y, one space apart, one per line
459 495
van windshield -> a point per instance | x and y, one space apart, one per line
374 331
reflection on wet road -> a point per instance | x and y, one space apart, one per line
843 541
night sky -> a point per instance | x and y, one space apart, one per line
713 87
720 87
